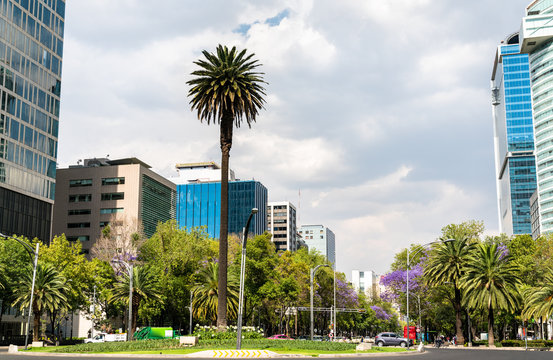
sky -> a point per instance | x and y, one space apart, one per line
378 118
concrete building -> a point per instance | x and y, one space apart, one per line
366 282
515 165
320 238
91 195
281 221
31 53
199 200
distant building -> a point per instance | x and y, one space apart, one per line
535 215
320 238
199 200
281 221
366 282
515 164
89 196
31 54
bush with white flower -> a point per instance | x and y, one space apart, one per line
210 332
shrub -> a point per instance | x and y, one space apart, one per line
210 333
531 343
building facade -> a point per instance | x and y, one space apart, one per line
537 41
366 282
199 204
100 191
31 52
321 239
281 222
515 165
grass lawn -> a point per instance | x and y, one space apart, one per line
309 348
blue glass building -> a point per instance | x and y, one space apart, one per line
198 204
31 49
513 137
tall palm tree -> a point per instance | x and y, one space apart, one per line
50 293
226 91
490 282
538 301
205 294
445 265
145 286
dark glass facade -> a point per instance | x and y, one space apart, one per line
31 49
198 204
158 204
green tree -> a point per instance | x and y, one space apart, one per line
226 90
538 300
447 260
50 292
205 300
145 288
14 260
490 282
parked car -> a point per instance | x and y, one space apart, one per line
303 337
389 338
280 337
317 338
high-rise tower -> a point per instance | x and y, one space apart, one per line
513 137
31 49
536 40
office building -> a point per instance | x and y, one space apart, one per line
199 200
31 50
91 195
321 239
536 40
366 282
515 166
281 222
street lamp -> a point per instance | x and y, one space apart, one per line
242 279
313 271
31 253
422 247
129 268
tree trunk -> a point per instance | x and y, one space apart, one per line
458 318
36 325
226 143
490 327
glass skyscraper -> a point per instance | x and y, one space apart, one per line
198 204
31 49
513 137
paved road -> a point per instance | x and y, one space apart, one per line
431 354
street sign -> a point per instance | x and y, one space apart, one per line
331 335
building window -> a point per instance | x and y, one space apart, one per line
78 225
80 198
111 210
81 182
79 212
104 223
113 196
113 181
78 238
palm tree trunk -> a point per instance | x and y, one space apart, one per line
226 143
36 325
458 318
490 327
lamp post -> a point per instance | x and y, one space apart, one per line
129 268
313 271
190 308
242 279
93 312
31 253
335 329
408 265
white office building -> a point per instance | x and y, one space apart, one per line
367 282
320 238
281 222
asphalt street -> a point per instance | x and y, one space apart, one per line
431 354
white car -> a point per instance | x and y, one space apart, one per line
103 337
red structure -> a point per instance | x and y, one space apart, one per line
412 332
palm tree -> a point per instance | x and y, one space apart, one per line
445 265
50 293
538 301
490 282
205 293
145 286
226 91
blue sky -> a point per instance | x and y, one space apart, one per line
379 111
